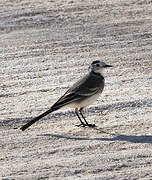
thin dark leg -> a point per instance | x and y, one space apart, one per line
83 116
90 125
82 123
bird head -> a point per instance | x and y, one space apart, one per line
99 66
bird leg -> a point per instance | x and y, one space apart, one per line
82 123
87 124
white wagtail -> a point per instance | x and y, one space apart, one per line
81 94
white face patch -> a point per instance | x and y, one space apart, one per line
98 66
102 64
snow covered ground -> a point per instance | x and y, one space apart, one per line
46 46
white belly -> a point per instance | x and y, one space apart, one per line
86 102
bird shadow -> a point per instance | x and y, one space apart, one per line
116 137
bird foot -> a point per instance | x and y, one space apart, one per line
91 125
84 125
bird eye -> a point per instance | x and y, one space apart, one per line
97 65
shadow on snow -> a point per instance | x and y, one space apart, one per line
116 137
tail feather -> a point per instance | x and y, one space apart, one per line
60 103
37 118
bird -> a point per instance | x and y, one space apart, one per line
82 94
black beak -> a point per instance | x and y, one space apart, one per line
108 65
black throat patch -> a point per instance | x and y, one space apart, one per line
97 74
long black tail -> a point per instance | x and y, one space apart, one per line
37 118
